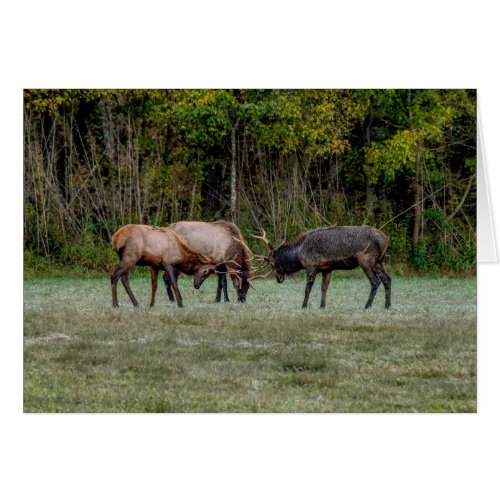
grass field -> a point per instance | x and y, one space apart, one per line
267 355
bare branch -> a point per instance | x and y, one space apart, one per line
459 206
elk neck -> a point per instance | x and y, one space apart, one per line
287 257
192 260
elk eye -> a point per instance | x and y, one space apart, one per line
205 271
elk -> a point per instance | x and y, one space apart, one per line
327 249
160 249
223 243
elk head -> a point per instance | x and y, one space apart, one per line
206 269
239 277
241 283
271 259
202 274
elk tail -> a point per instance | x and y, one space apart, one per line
383 245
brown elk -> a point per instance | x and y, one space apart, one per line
330 248
223 243
160 249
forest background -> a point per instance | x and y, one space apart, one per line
283 160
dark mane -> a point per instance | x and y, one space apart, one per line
286 256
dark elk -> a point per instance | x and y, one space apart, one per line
330 248
223 243
160 249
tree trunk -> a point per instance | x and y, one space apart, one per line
418 190
369 195
417 183
193 197
233 196
464 197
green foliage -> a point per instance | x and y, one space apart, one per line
88 255
327 118
98 159
79 259
201 117
392 156
272 119
419 256
400 245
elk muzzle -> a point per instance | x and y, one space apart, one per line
202 274
279 277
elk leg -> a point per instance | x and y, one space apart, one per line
115 276
221 284
154 285
311 275
166 280
173 280
375 282
224 287
386 281
219 288
118 273
324 286
128 289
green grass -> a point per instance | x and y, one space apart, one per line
268 355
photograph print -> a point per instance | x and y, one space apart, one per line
250 251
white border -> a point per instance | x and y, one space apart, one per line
486 241
258 44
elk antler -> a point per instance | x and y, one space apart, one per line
260 266
236 275
261 276
232 272
263 238
266 241
253 256
228 261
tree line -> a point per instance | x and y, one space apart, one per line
403 160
